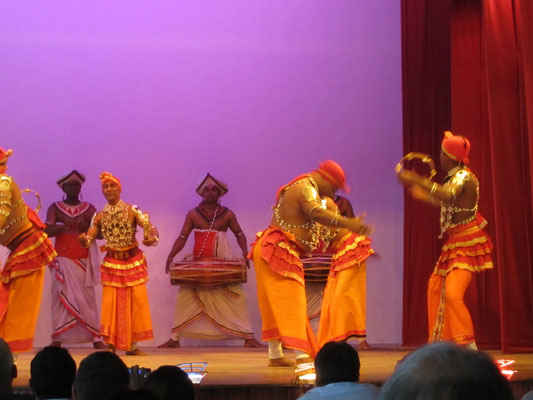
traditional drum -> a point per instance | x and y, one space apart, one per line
316 267
207 272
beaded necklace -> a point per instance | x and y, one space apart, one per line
208 232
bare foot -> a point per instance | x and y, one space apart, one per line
364 346
173 344
280 362
253 343
54 343
99 345
136 352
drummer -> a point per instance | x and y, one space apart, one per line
217 313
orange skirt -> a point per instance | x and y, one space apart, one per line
282 302
125 316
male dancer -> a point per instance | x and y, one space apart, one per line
22 277
468 247
76 269
217 313
294 231
125 316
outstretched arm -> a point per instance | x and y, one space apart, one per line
312 206
179 243
422 188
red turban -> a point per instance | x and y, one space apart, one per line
334 174
108 177
456 147
5 154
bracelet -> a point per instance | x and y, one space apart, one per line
433 189
156 241
335 220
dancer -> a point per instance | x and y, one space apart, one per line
125 316
294 231
22 278
467 249
76 269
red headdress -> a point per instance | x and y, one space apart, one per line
456 147
5 154
108 177
333 173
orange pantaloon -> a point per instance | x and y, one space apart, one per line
344 306
20 303
448 317
283 306
125 316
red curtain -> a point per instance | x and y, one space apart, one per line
491 103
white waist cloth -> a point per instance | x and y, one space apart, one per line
314 293
218 313
74 310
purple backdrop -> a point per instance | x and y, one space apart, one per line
256 92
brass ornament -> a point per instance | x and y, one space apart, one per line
417 156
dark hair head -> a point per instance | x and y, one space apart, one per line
444 371
131 394
337 362
170 382
8 370
100 375
52 373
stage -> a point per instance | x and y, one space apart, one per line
239 373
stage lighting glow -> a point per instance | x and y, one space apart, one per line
503 364
195 370
305 373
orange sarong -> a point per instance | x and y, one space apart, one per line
21 290
125 308
281 291
466 251
344 303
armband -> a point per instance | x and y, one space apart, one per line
310 193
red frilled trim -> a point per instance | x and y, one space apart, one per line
32 254
124 273
350 251
468 247
280 250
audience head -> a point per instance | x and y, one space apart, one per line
169 382
52 373
445 371
131 394
8 370
100 375
336 362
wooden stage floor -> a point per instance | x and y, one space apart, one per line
247 367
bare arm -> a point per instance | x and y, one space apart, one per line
179 243
239 235
422 188
87 238
313 209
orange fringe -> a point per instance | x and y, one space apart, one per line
31 255
124 273
281 251
468 247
